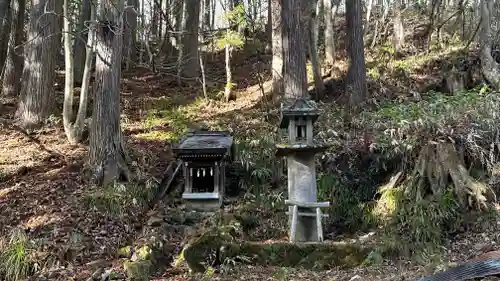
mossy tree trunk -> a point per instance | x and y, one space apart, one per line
108 158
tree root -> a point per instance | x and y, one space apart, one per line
436 165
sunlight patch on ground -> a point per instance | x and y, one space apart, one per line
167 123
38 221
4 192
157 135
418 61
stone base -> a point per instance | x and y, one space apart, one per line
307 228
209 202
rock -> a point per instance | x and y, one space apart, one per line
138 270
155 221
483 247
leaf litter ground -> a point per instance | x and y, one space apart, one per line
43 185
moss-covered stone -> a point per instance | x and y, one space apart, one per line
198 249
139 270
199 252
125 252
305 255
146 259
143 253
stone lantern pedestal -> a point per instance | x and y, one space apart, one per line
298 116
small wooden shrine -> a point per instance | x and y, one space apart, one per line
204 155
299 148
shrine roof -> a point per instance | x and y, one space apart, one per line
204 143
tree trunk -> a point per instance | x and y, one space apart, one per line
369 9
159 13
206 14
74 130
490 68
329 14
130 34
79 53
356 74
178 11
108 158
398 39
213 8
37 93
68 70
229 83
294 74
269 27
277 45
5 29
379 25
189 63
228 89
4 13
313 51
144 32
11 83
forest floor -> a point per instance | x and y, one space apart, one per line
44 190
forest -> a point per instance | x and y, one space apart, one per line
98 96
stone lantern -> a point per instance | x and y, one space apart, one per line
298 117
204 155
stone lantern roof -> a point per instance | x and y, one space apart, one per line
302 107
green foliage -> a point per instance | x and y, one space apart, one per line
373 73
262 215
16 257
417 228
436 189
348 212
325 185
255 155
437 116
429 146
117 197
236 16
231 38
